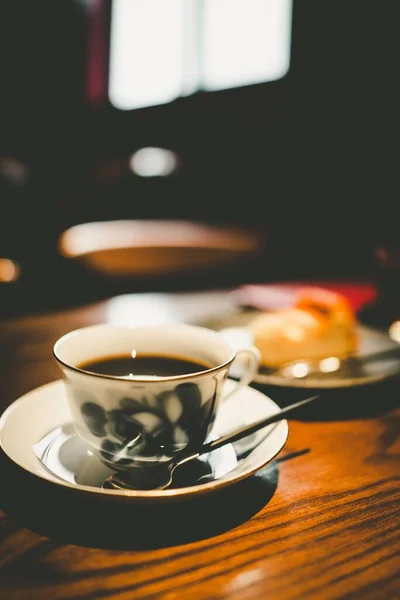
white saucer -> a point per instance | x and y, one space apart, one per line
39 424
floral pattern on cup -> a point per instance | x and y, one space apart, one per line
153 427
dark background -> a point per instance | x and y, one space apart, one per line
310 160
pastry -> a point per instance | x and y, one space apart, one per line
320 324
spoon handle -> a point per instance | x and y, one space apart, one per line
249 429
377 356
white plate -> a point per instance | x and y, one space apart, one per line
234 329
43 410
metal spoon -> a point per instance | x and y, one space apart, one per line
333 365
159 476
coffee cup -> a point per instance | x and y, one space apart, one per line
166 405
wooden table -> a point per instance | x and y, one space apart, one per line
321 522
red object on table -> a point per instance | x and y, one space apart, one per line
271 296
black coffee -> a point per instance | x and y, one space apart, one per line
144 365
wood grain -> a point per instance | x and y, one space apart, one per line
321 522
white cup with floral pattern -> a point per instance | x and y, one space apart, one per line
134 420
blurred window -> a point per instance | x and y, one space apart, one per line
164 49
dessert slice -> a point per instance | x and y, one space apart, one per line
319 325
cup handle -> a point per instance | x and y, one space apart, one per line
250 370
